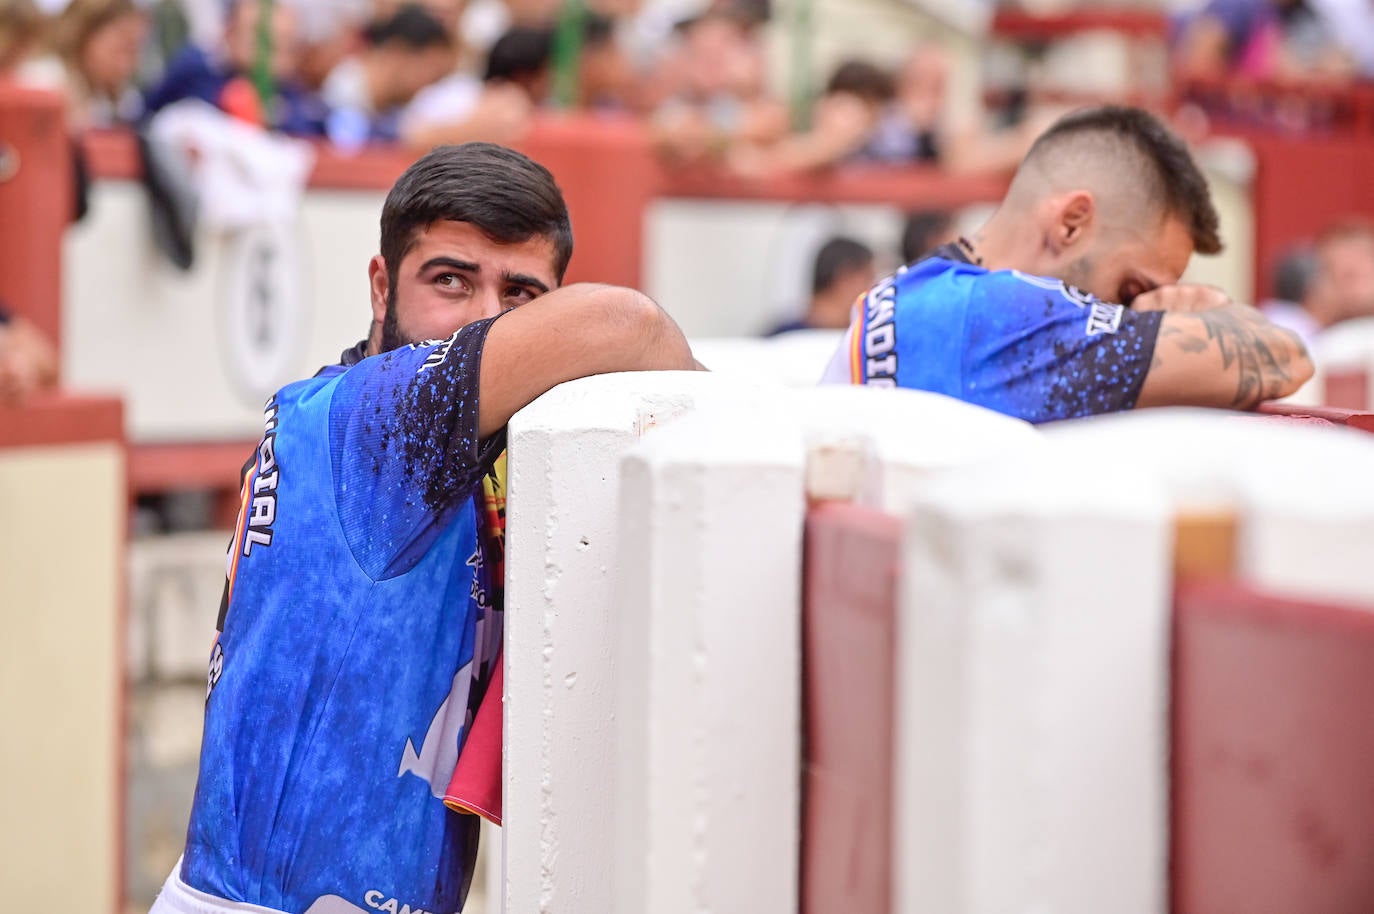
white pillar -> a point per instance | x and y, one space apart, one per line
707 798
1304 493
560 629
707 777
1032 672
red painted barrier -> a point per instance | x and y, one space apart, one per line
1302 185
849 632
36 192
1347 388
1348 418
1273 750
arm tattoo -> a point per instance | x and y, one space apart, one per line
1246 340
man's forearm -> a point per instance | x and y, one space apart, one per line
1270 361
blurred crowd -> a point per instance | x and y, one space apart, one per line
695 73
421 72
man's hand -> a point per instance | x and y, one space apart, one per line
27 362
1228 356
1181 298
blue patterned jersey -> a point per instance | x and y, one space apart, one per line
1023 345
357 637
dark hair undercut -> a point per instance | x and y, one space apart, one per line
1171 179
507 196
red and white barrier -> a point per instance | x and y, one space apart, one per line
1033 663
708 804
569 674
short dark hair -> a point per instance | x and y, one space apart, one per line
509 197
412 26
836 256
521 52
1172 178
868 81
1293 274
922 231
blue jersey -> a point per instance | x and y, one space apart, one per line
357 638
1026 346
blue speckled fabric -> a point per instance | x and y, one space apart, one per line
1022 345
356 644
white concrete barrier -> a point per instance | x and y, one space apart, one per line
1033 660
795 359
708 764
560 653
1032 685
567 671
1302 492
707 775
1346 348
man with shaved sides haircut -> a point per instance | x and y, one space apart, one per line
1067 303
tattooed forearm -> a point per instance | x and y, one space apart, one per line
1261 352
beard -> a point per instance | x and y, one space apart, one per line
1079 273
391 330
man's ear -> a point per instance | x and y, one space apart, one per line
379 284
1075 216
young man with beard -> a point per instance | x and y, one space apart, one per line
361 620
1067 303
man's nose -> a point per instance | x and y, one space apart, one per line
489 303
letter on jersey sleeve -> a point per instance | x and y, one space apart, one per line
405 447
1042 351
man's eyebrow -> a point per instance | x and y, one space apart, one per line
450 262
524 279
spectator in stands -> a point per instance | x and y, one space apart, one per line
843 271
224 76
607 82
1067 303
97 48
1342 288
922 126
375 539
923 232
27 361
21 33
868 115
367 93
522 57
1258 39
712 90
843 123
1292 284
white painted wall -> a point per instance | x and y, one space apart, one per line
712 510
1033 659
580 703
1032 693
1345 347
561 631
1303 492
706 789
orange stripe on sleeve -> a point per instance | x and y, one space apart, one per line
238 531
856 374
